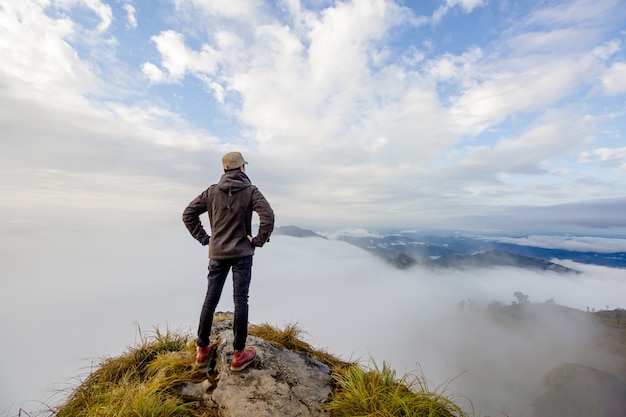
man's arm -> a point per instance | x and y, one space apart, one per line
191 218
266 218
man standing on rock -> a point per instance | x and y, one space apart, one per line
229 204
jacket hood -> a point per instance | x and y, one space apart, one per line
233 181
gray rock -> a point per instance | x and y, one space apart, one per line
277 383
197 391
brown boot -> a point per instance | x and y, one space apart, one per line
202 356
242 358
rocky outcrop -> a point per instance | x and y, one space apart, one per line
277 383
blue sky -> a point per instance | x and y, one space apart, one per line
465 114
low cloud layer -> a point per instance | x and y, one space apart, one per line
574 243
80 294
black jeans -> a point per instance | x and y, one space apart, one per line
218 272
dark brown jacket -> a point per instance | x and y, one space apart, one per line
230 204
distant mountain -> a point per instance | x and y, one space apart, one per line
449 252
455 250
296 232
499 257
614 260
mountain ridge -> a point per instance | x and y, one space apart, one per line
404 250
296 231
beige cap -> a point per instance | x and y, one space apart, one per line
233 160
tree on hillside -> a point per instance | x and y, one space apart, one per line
521 297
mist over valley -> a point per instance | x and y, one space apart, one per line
90 297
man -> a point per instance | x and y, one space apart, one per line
229 204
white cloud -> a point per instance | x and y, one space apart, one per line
461 68
38 61
344 121
609 155
466 5
102 10
614 80
179 61
529 70
615 158
520 84
130 15
354 232
243 9
153 73
529 154
176 58
573 243
581 13
276 59
368 113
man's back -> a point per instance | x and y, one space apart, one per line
230 204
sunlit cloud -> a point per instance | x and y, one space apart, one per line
579 244
130 15
389 119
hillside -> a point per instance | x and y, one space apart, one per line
288 378
296 231
291 378
497 257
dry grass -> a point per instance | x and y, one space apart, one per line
290 338
140 382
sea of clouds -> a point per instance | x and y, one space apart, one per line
72 295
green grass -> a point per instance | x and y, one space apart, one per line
143 382
380 393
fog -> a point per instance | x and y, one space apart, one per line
70 296
573 243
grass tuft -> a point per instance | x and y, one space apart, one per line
379 393
140 382
290 338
